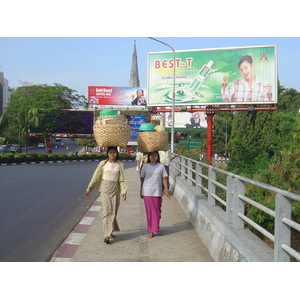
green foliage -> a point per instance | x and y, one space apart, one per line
46 97
63 156
89 143
247 161
263 219
6 158
126 156
35 106
222 131
192 153
37 157
289 101
73 157
20 157
265 146
31 157
53 156
43 157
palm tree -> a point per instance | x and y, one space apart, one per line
3 125
25 120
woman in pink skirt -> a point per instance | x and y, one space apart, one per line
153 176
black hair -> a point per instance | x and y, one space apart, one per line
246 58
112 148
158 158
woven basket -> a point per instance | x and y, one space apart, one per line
111 120
149 141
112 135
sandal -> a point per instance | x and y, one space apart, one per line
150 235
106 240
112 236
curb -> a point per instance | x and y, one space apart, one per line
68 248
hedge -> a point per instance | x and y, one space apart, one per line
36 157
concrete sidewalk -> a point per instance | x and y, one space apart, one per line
176 242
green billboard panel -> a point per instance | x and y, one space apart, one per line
246 75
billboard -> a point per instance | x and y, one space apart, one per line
186 120
67 121
244 75
135 122
109 95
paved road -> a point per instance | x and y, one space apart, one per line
39 206
60 149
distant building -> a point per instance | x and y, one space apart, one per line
134 80
4 92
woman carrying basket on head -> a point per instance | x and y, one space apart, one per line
153 176
110 177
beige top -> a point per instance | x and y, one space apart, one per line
97 177
111 171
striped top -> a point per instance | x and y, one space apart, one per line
153 175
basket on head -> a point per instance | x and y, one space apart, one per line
111 120
112 135
149 141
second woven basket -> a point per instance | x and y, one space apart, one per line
150 141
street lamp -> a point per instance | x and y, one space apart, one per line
173 97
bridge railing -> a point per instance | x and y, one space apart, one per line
231 193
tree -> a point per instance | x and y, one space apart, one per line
222 131
3 126
25 120
46 100
264 133
289 101
87 143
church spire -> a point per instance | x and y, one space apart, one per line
134 80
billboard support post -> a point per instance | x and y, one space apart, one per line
173 93
210 112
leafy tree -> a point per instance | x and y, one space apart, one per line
3 126
87 143
289 101
222 131
47 100
265 146
25 119
46 97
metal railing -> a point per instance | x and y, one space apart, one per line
229 191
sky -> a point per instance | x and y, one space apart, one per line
86 44
79 62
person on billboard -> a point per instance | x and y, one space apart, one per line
111 181
249 88
195 119
139 99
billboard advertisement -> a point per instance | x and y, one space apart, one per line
195 119
135 122
67 121
109 95
245 75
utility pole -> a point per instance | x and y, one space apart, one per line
173 97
